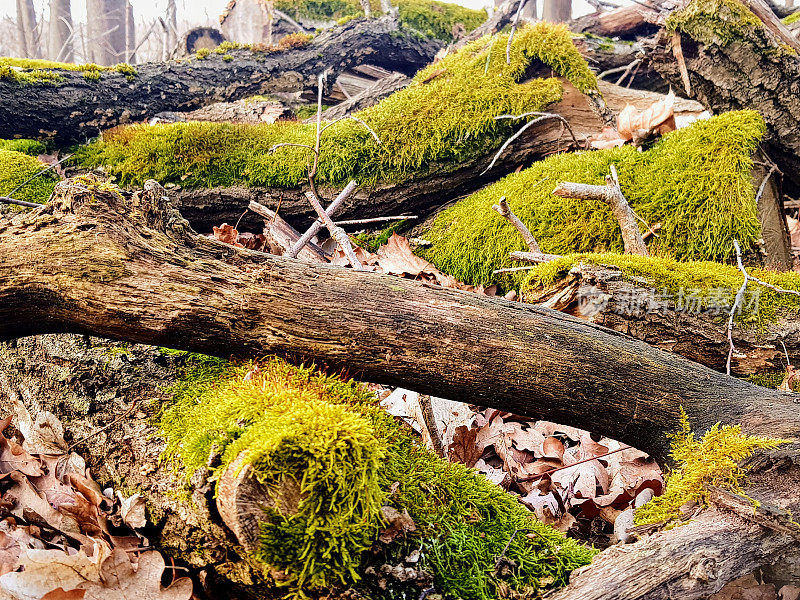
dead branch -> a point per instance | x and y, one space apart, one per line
317 225
611 194
505 211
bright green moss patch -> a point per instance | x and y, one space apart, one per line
695 182
709 283
792 18
16 168
445 116
34 70
351 458
29 147
711 461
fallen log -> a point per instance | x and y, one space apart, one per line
748 69
68 106
129 267
151 279
624 22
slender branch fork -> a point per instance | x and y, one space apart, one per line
314 198
740 297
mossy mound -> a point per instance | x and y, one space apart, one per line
712 460
710 283
792 18
445 116
695 182
352 458
25 146
430 17
16 168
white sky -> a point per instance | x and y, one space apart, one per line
201 11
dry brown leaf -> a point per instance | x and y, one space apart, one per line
132 510
396 258
529 440
61 594
552 447
591 449
120 582
792 375
43 435
794 231
226 233
609 137
399 523
46 570
14 458
659 118
464 448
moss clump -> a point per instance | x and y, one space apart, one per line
29 147
724 22
34 70
22 77
202 53
711 461
710 284
792 18
352 458
430 17
695 182
446 115
16 168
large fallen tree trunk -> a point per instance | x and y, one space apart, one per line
75 108
93 261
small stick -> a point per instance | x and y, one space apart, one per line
513 29
426 407
740 296
763 185
7 200
317 225
374 220
504 210
513 269
611 194
45 170
104 427
533 257
337 233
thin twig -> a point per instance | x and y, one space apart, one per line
45 170
542 117
514 269
357 120
585 460
533 257
513 29
504 210
7 200
373 220
764 182
102 429
740 296
317 225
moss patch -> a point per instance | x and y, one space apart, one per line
711 461
709 282
434 19
352 458
34 70
16 168
29 147
695 182
445 116
724 22
792 18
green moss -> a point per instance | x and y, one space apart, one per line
16 168
227 57
444 117
351 458
36 76
202 53
724 22
34 70
710 283
373 241
769 380
91 75
711 461
430 17
695 182
792 18
29 147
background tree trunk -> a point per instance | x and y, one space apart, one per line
557 11
28 30
59 41
106 20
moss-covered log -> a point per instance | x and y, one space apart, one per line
736 61
75 104
93 261
88 262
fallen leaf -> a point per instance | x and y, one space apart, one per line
552 447
399 523
658 118
46 570
464 448
43 435
61 594
227 234
120 582
132 510
14 458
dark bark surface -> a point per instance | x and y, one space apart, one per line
76 109
81 265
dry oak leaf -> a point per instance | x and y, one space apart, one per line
119 581
227 234
658 118
46 570
464 448
62 594
14 458
132 510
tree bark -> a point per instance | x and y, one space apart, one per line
76 109
60 46
106 26
745 75
81 265
557 11
625 22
